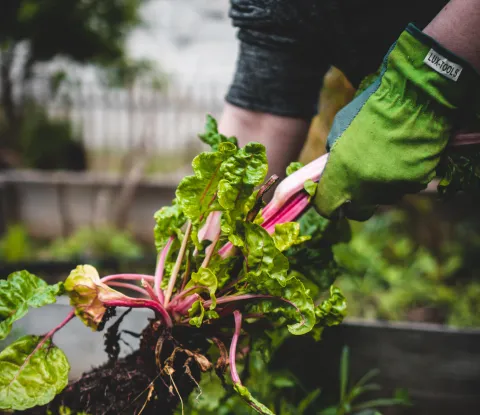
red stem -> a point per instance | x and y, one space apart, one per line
293 184
231 298
160 269
233 348
289 212
150 291
183 306
129 277
184 293
211 227
142 303
129 286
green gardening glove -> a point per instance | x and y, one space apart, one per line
388 141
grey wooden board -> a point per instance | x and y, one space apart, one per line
439 367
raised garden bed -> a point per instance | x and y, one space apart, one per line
439 366
49 202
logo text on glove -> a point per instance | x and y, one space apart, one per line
442 65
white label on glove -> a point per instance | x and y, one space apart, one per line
443 66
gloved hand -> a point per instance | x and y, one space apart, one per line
388 141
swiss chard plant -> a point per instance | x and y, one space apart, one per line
229 269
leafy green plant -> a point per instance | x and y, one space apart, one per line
350 402
49 144
221 274
15 245
459 170
392 271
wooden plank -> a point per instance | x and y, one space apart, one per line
439 367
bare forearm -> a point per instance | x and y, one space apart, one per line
282 136
457 28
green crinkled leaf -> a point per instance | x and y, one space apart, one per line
196 194
235 240
310 187
300 307
296 293
212 137
288 234
241 173
168 221
267 273
293 167
20 291
223 268
28 383
262 256
211 314
247 397
314 258
333 310
205 278
248 166
196 313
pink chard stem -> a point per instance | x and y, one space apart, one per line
182 307
150 291
233 298
210 251
160 269
129 286
287 213
178 264
211 227
293 184
233 348
128 277
183 293
141 303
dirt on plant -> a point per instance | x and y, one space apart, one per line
149 381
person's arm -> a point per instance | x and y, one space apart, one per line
279 72
457 28
282 136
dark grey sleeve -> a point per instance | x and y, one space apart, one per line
281 63
286 46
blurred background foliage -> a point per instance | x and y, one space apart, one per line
410 263
84 244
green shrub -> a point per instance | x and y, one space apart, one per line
49 144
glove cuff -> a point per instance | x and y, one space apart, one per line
455 80
433 44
